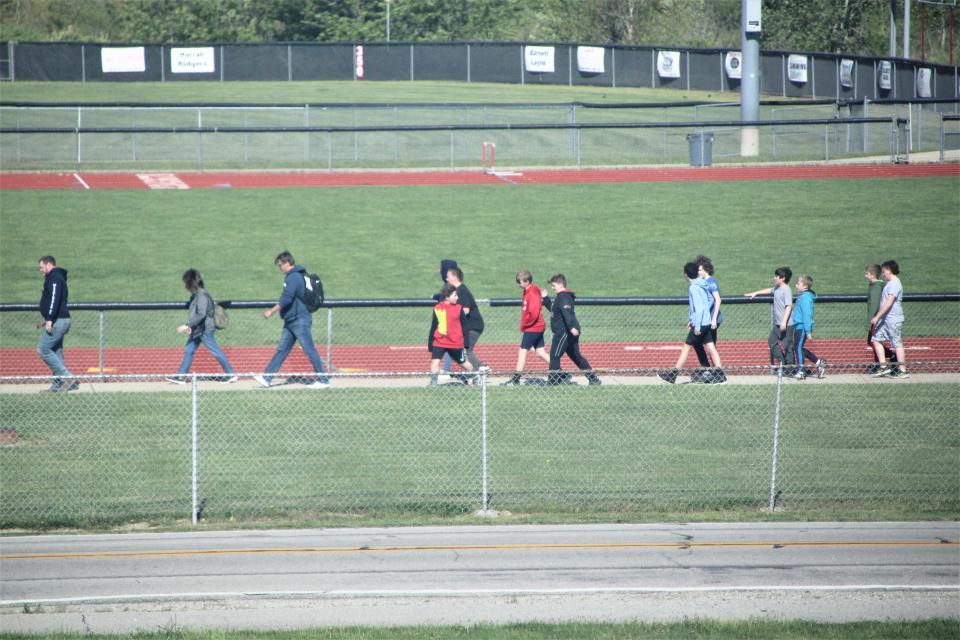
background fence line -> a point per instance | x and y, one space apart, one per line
352 335
624 66
135 449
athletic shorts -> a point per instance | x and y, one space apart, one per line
886 331
705 337
457 354
532 340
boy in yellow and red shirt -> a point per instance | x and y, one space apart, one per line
446 333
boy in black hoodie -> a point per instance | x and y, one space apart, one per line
566 333
55 324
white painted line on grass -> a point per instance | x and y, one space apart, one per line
672 347
415 593
80 180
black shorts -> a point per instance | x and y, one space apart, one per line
705 337
532 340
458 356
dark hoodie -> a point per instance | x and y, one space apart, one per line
53 300
562 316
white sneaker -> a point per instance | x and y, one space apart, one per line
484 369
176 380
443 378
230 380
318 384
260 380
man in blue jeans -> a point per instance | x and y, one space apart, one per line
296 323
55 323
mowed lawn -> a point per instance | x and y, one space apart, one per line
385 242
610 449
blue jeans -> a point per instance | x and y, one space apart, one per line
209 340
51 347
296 332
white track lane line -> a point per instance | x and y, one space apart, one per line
80 180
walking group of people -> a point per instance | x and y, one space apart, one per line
457 324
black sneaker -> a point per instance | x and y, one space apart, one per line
717 377
512 382
670 377
73 385
594 380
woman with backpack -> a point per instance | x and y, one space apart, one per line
201 327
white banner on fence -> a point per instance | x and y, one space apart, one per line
538 59
590 59
923 82
192 60
122 60
886 75
846 72
358 70
733 63
797 68
668 64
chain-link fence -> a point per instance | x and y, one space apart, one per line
389 336
137 448
435 146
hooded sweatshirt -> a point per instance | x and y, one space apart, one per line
802 315
699 300
531 316
292 307
562 316
53 300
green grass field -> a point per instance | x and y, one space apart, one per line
417 452
742 630
381 242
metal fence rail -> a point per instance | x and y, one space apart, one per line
132 448
521 144
390 335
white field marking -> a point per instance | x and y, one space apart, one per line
917 348
406 348
401 593
672 347
162 181
80 180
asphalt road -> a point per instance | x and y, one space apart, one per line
463 575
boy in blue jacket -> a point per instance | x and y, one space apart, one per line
699 319
801 328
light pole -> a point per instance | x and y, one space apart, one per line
750 24
388 20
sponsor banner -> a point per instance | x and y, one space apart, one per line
590 59
122 60
538 59
192 60
668 64
846 72
924 76
733 63
885 79
797 68
358 70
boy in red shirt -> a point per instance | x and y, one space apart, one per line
531 325
446 333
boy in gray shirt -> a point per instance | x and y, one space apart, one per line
779 314
888 322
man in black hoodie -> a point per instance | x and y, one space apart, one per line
55 324
566 333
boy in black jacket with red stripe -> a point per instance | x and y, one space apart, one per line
566 334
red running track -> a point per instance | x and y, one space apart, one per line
258 180
404 358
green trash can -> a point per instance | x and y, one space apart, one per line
701 148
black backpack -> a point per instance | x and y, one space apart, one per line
312 292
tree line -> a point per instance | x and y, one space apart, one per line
839 26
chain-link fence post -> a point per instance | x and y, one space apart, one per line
776 439
195 449
329 338
100 346
483 436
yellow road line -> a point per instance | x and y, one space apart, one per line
476 547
